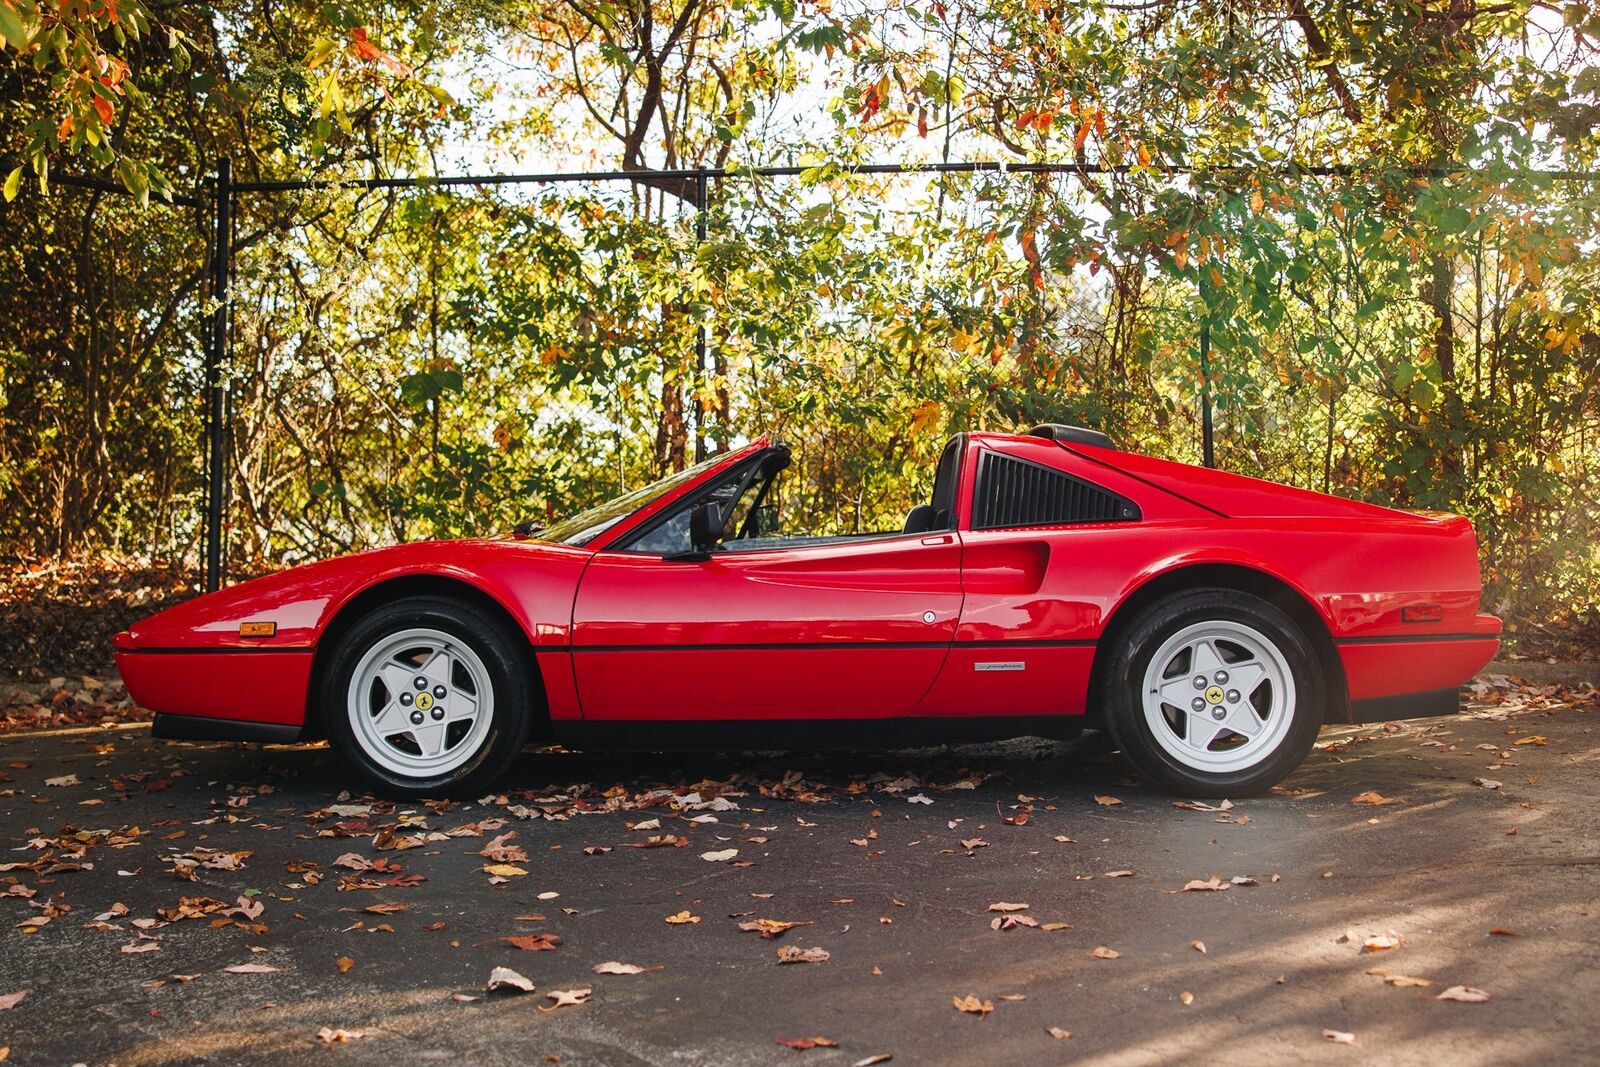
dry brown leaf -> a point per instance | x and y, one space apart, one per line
344 963
1107 802
613 967
719 856
501 852
682 918
1058 1033
1375 798
971 843
538 942
874 1060
1205 885
802 1044
251 968
1380 942
11 1000
1186 998
329 1036
1198 946
134 947
566 998
1007 906
1464 993
973 1005
504 978
795 954
1119 874
770 928
1102 953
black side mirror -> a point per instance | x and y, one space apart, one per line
705 527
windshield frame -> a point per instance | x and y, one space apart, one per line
602 525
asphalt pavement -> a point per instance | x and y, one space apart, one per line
1320 923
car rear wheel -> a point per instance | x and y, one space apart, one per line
426 696
1213 692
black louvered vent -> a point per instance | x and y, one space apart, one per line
1014 492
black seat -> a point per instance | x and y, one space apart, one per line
940 514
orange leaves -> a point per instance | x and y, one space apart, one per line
362 48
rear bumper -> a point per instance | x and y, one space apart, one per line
1411 677
266 688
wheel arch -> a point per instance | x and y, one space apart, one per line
397 587
1245 579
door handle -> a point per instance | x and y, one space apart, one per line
942 539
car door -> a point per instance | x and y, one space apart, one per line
850 629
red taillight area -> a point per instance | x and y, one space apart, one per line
1422 613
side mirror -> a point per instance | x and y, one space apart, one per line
705 527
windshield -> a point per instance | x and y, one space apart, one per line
588 525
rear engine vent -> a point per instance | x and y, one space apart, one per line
1014 492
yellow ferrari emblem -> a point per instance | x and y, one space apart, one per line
1213 696
425 701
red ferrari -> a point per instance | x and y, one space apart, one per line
1211 622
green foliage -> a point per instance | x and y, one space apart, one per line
1416 329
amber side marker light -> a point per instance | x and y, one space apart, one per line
257 629
1422 613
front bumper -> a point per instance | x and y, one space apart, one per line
267 688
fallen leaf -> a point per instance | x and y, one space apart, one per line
251 968
874 1060
540 942
504 978
973 1005
1186 998
1380 942
1007 906
1340 1037
1501 931
139 946
795 954
971 843
501 852
344 963
1103 953
801 1044
613 967
1375 798
1119 874
1207 885
1486 783
503 870
64 780
1464 993
566 998
1198 946
11 1000
338 1037
770 928
1107 802
1058 1033
682 918
720 856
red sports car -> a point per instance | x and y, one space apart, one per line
1211 622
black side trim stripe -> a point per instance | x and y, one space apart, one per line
818 646
252 650
1408 639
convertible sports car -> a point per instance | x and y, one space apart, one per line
1211 622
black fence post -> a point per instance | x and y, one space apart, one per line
700 198
216 406
1207 452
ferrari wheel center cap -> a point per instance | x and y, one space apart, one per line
1213 695
424 701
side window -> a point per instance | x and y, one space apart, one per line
669 534
1016 492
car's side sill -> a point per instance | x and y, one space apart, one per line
1406 706
203 728
710 735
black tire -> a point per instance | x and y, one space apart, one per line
503 654
1130 657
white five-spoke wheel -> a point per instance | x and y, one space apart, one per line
420 702
429 696
1213 692
1218 696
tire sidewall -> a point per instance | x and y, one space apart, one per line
487 637
1131 659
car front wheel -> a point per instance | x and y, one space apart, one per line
425 697
1213 692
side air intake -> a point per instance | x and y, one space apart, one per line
1015 492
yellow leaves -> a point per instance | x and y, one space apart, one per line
1144 155
926 416
972 1005
682 918
503 870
